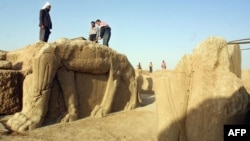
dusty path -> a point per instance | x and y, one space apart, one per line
136 125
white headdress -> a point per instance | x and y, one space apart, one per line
46 4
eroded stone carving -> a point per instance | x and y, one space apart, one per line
202 94
61 60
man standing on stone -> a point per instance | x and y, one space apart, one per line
45 22
150 67
93 32
163 65
105 32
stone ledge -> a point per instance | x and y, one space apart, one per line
5 64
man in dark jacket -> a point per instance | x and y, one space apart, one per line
105 32
45 22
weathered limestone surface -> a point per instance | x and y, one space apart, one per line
246 79
10 87
21 59
72 79
5 64
144 82
10 91
2 55
11 78
3 130
203 93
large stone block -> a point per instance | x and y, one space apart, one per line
202 94
71 79
10 91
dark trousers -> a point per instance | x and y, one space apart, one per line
44 34
150 69
106 36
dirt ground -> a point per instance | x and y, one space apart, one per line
136 125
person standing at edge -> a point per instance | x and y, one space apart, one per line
163 65
150 67
45 23
105 32
94 32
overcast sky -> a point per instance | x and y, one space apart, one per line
145 30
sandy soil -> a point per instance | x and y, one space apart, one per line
136 125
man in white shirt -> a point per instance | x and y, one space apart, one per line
94 32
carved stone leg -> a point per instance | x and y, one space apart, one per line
44 69
135 98
67 82
105 107
128 75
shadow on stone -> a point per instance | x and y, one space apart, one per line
206 121
147 99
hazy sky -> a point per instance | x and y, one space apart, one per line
145 30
